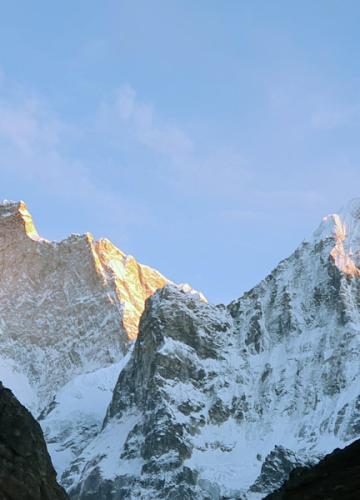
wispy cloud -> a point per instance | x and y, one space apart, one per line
213 170
33 140
161 137
26 126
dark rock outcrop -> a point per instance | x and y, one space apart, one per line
337 476
276 468
26 471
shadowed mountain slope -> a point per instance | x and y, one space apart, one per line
336 477
26 472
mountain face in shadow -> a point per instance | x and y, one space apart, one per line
26 471
336 477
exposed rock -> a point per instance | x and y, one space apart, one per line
209 392
276 468
69 312
336 477
165 370
75 305
26 471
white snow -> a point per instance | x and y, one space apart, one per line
17 382
79 413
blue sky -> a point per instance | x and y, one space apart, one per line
206 138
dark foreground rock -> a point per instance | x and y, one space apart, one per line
26 472
337 476
276 469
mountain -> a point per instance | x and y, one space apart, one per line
221 402
69 313
53 295
26 471
337 476
197 401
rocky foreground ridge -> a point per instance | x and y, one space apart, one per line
26 471
211 401
335 477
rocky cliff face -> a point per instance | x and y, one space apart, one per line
158 404
69 312
76 303
26 471
219 402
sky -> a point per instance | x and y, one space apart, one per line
207 138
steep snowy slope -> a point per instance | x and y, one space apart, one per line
219 402
69 312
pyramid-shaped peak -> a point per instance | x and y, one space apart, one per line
343 224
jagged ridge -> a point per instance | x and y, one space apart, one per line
69 312
211 394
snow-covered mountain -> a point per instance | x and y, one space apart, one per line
221 402
69 313
77 303
211 402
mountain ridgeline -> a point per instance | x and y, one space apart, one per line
144 390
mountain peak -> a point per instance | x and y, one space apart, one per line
16 214
343 228
87 289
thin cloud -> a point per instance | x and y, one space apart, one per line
141 121
211 171
32 141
